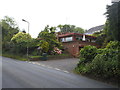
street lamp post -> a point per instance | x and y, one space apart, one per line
28 33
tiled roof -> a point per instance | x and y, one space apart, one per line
94 29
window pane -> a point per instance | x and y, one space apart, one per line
68 39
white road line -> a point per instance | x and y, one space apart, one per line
56 68
48 67
65 71
33 62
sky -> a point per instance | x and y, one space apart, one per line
39 13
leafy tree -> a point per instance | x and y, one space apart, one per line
113 16
44 46
50 39
70 28
21 38
9 28
20 42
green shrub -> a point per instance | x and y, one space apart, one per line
87 54
113 45
106 64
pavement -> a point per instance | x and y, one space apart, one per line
62 64
21 74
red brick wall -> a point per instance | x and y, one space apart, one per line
73 47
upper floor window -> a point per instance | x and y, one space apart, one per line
69 39
66 39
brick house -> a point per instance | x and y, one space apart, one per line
73 42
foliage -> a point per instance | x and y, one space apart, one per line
9 28
49 38
70 28
112 25
87 54
44 46
104 36
107 33
20 42
113 45
104 64
113 16
33 43
100 39
21 37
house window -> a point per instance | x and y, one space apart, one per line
69 39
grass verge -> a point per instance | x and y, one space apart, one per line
22 58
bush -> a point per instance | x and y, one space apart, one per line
105 63
113 45
87 54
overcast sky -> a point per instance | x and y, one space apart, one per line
82 13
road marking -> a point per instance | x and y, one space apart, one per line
65 71
57 68
33 62
48 66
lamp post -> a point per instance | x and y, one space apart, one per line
28 33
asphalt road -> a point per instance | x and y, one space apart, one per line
21 74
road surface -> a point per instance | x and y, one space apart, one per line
22 74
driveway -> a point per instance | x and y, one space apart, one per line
62 64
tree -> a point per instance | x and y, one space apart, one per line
44 46
113 17
49 38
20 42
78 30
9 28
21 37
70 28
